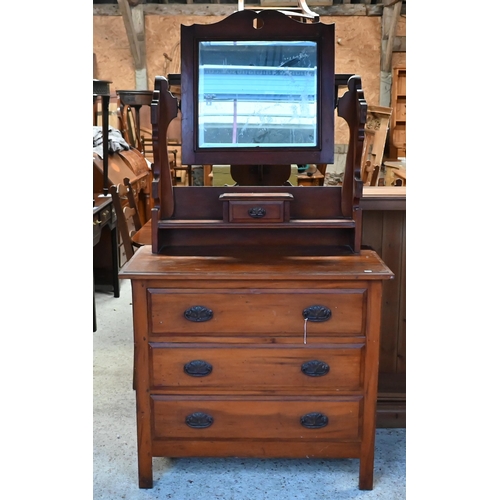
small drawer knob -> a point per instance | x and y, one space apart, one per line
314 420
198 368
199 420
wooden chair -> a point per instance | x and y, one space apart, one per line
127 216
147 144
174 144
129 223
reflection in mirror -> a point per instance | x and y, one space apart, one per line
257 94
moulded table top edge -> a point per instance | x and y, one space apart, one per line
146 265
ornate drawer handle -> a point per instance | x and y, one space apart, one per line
198 314
314 420
315 368
198 368
317 314
199 420
257 212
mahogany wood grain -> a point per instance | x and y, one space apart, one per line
321 222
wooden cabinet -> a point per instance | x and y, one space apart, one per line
105 248
256 356
398 117
105 254
384 230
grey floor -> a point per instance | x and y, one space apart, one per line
115 465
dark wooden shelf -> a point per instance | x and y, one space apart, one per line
391 400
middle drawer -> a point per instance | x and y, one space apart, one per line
239 368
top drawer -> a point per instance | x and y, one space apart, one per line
257 311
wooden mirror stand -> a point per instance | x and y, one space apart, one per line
285 220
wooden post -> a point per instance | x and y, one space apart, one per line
390 16
133 18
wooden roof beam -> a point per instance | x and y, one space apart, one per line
133 19
133 41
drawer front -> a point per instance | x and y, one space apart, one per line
265 211
105 215
180 367
96 229
257 311
252 418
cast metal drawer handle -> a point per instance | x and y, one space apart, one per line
198 368
198 314
199 420
315 368
257 212
314 420
317 314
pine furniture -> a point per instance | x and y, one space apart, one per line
256 356
256 312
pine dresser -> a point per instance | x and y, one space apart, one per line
256 356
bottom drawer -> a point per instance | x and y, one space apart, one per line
256 418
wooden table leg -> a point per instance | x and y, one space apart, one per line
145 471
95 316
366 471
141 381
114 260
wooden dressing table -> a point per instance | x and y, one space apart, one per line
256 312
256 356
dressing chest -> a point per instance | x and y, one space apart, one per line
256 312
256 357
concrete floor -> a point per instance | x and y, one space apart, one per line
115 457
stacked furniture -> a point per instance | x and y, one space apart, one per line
132 165
398 117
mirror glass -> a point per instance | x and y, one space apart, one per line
257 94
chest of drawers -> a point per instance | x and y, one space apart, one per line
256 357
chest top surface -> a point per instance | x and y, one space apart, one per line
146 265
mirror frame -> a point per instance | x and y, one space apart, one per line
273 26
